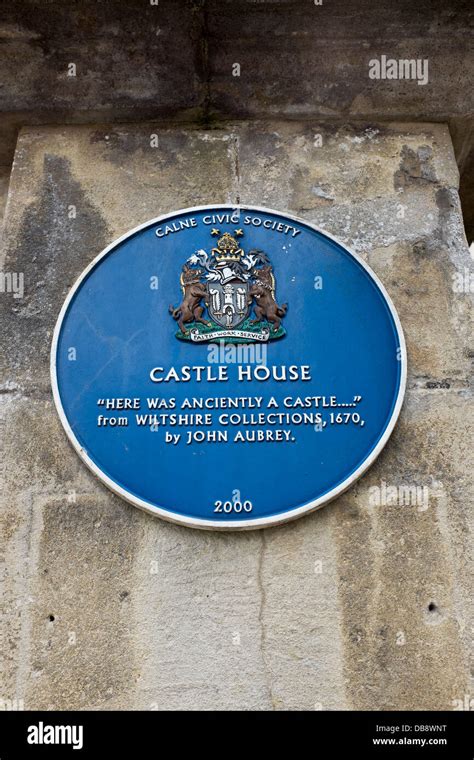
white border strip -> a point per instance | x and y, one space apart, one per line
194 522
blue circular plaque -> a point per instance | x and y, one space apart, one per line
228 368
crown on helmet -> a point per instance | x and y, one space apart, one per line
227 249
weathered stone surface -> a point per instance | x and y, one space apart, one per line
295 58
4 180
462 132
308 59
136 57
201 635
64 214
404 570
177 60
363 604
390 193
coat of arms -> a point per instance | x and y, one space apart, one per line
236 288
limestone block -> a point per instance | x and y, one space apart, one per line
65 213
363 604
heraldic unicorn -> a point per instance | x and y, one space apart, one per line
236 288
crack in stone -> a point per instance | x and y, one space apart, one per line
234 155
32 538
263 637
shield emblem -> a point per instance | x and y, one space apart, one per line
228 304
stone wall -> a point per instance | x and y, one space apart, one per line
175 59
358 606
